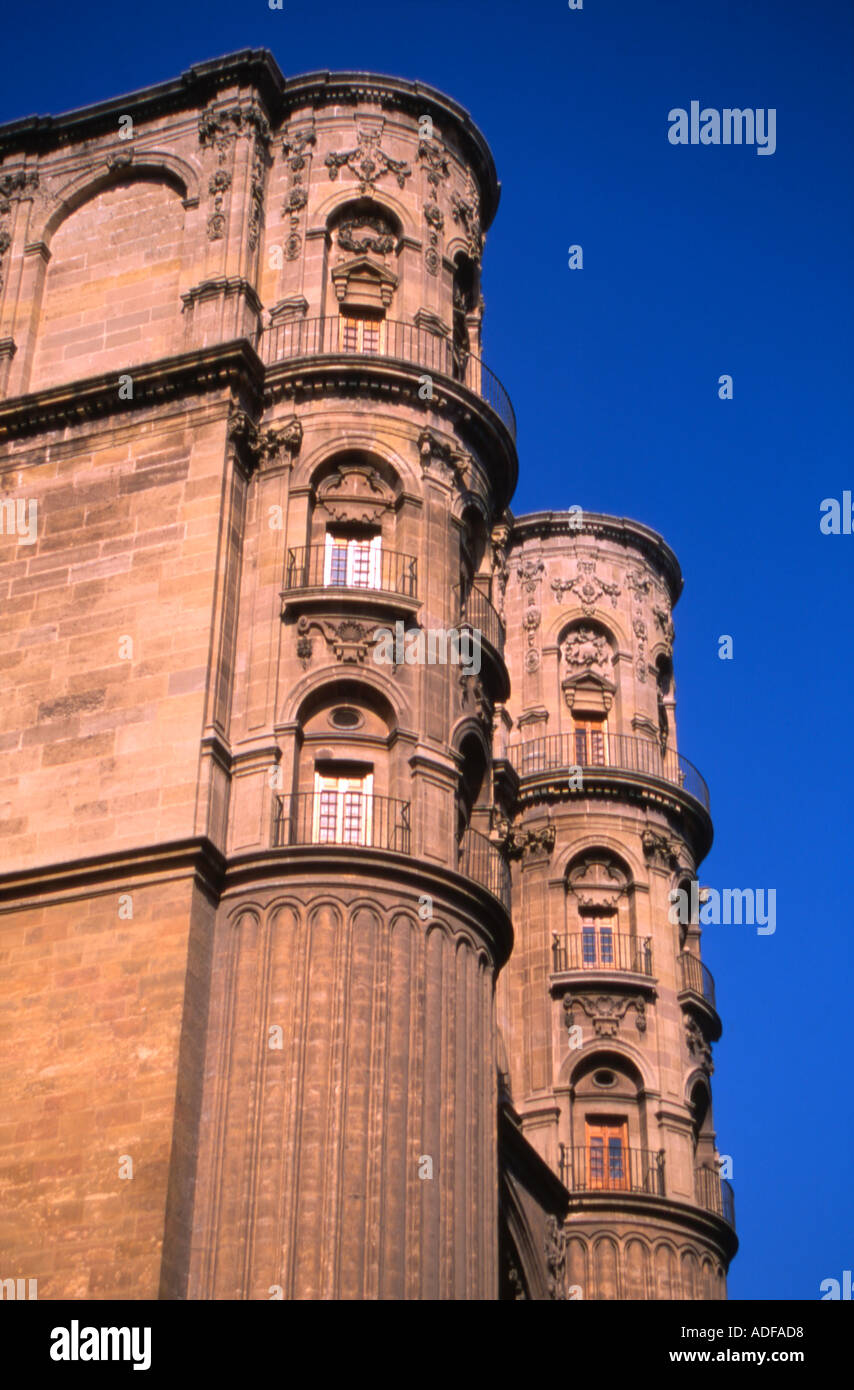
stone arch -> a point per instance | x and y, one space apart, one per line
636 1266
327 680
606 1268
596 841
131 312
313 464
634 1056
251 909
666 1270
156 166
610 620
330 208
689 1263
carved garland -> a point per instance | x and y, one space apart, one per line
296 143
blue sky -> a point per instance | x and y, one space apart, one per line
698 261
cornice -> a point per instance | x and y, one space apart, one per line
620 529
48 883
235 365
257 69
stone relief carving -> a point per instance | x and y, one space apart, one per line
606 1011
587 587
361 234
368 162
499 538
355 493
15 186
451 460
473 696
660 849
664 622
466 212
524 840
587 648
297 142
219 130
435 165
555 1251
596 881
260 448
528 572
697 1045
531 622
349 640
639 629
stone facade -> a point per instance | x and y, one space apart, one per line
256 879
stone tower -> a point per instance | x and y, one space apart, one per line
263 778
606 1010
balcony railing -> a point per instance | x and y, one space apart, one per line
341 818
478 613
696 977
383 571
403 342
601 950
597 750
482 861
612 1169
715 1194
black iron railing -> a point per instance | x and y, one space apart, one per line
384 571
482 861
476 612
404 342
625 752
696 977
601 950
612 1168
341 818
715 1194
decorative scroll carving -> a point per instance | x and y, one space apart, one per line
348 639
596 882
368 162
219 130
16 186
606 1011
435 164
587 587
355 493
466 211
664 622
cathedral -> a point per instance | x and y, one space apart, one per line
327 974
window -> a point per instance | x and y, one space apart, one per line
354 562
590 738
597 942
607 1156
359 333
343 809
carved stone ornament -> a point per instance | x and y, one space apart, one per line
660 849
596 882
355 493
664 622
368 162
587 648
361 234
452 460
529 572
532 661
473 697
499 537
587 587
466 211
697 1045
349 640
606 1011
297 141
638 582
555 1252
531 840
531 622
15 186
262 448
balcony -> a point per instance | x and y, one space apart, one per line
482 861
478 613
601 951
316 569
614 1170
358 819
715 1194
623 753
395 342
696 979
